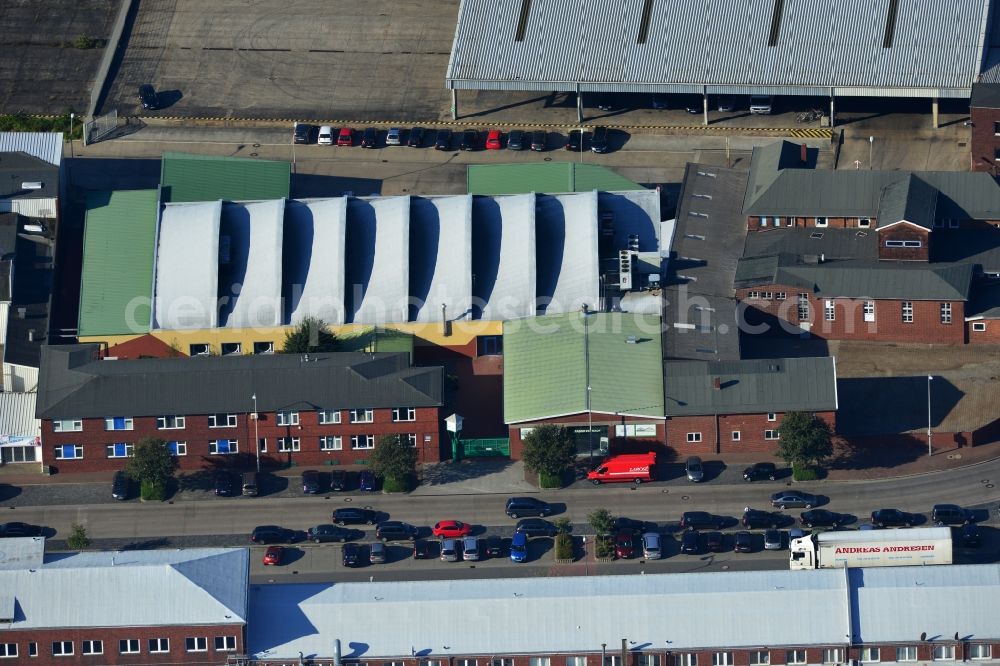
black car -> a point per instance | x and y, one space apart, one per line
715 542
311 482
951 514
302 133
321 533
494 546
352 554
743 542
527 506
892 518
605 102
352 516
691 543
273 534
443 140
755 518
119 486
370 138
225 484
793 498
339 480
574 140
599 140
630 525
660 101
823 518
19 530
470 140
759 471
515 140
536 527
701 520
970 536
395 530
423 550
416 137
538 138
148 97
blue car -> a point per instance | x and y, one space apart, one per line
519 547
366 480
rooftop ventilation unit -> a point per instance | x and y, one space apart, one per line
772 38
644 20
522 20
35 185
625 270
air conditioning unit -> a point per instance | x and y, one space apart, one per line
625 270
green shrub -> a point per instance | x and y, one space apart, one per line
564 525
78 539
564 546
805 473
20 122
604 547
152 491
550 480
85 42
393 485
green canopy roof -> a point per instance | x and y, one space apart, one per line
547 177
186 177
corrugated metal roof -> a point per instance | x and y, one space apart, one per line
313 260
503 256
21 553
47 146
251 279
549 178
378 260
188 257
566 240
750 386
186 177
822 44
440 258
545 361
117 278
200 586
17 415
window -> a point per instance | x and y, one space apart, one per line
69 452
159 645
770 434
870 655
362 441
199 349
869 310
685 659
501 661
722 659
409 438
539 661
753 294
903 243
954 224
8 649
263 348
225 643
907 312
996 128
944 653
118 423
93 647
489 345
128 646
288 418
795 657
979 326
221 447
996 154
803 307
829 313
196 644
178 448
780 295
169 422
432 662
262 444
465 662
760 658
231 348
906 653
694 437
820 221
120 450
736 435
288 444
771 416
404 414
222 420
62 648
333 443
649 660
576 661
980 651
946 313
67 425
361 416
393 663
610 660
32 649
864 222
832 656
329 417
768 295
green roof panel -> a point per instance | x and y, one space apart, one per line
185 178
548 178
116 284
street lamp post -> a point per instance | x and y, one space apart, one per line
930 378
586 361
71 115
871 146
256 429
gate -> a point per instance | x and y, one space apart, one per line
100 127
485 448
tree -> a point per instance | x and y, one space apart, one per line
549 450
152 464
805 440
309 336
78 539
393 460
602 521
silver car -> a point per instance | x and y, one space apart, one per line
376 553
449 550
470 549
651 546
392 138
695 472
774 540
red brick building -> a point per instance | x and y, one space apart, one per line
315 409
984 115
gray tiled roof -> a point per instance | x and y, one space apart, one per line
976 246
19 168
750 387
984 302
71 385
985 96
828 243
909 199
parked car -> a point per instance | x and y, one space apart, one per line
366 480
758 471
691 543
354 516
273 534
423 550
443 140
727 104
693 105
351 554
599 140
660 101
470 549
376 553
527 506
494 546
311 482
622 523
625 544
16 529
694 469
148 98
345 137
370 138
755 518
225 483
274 555
326 532
743 542
120 486
788 499
451 529
538 139
416 138
302 133
251 484
395 530
701 520
470 140
325 136
893 518
394 136
715 542
823 518
950 514
519 547
651 546
774 540
971 538
574 140
536 527
515 140
605 102
338 480
494 140
449 550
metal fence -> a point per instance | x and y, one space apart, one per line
100 127
485 448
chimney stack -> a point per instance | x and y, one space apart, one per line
803 153
717 383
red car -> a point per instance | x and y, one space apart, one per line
493 140
451 529
624 545
345 137
273 554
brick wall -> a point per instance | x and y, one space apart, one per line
751 428
985 140
904 232
991 336
616 444
760 223
197 434
43 639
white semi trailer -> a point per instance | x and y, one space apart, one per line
872 548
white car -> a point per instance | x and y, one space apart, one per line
325 136
470 549
392 138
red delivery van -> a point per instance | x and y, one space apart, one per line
634 467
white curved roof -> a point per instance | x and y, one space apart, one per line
440 257
378 259
314 259
503 256
251 279
187 266
566 234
